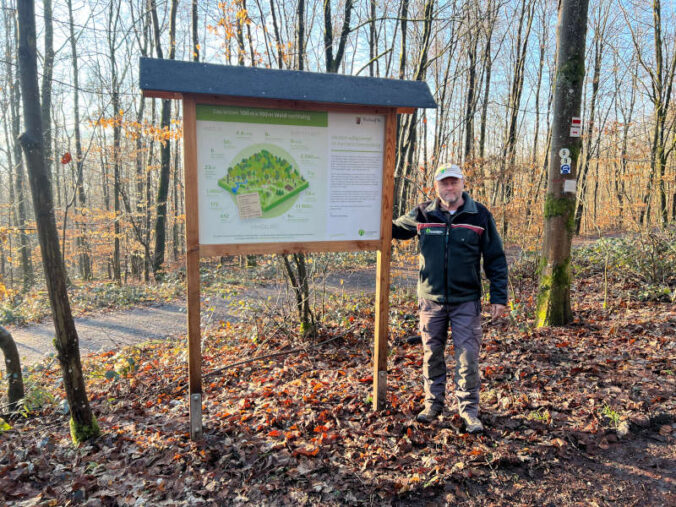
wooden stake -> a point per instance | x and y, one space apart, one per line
192 267
383 267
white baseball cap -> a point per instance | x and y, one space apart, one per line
448 171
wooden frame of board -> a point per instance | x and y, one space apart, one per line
195 250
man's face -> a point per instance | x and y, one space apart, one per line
449 190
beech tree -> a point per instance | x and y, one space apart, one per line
111 33
553 302
84 259
165 149
83 425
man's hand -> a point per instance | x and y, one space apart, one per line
497 311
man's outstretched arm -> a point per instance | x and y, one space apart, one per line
405 227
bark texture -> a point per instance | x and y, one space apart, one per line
13 368
553 303
165 149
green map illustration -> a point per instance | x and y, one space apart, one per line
273 177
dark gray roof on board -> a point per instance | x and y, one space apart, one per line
256 82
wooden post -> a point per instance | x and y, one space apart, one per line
192 267
383 267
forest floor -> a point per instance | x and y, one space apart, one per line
582 414
110 317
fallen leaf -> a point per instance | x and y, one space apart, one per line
306 451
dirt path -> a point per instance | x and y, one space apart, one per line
109 330
103 331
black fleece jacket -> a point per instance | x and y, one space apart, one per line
451 247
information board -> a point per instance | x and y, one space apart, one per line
275 175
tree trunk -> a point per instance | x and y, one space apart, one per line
553 301
278 40
404 32
114 15
195 38
540 170
252 52
373 50
481 184
300 34
139 262
13 368
84 258
165 149
399 168
300 284
47 71
18 201
103 156
333 63
24 241
148 197
664 73
538 86
470 99
488 66
13 149
83 424
440 127
599 45
240 34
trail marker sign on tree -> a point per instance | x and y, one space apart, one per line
283 162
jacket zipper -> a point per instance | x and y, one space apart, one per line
448 234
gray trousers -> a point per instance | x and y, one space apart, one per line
465 322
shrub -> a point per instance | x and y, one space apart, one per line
646 260
525 266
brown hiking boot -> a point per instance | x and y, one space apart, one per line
430 414
472 423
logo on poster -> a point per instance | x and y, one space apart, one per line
367 119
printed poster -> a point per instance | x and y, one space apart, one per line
271 175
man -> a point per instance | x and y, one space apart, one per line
454 233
